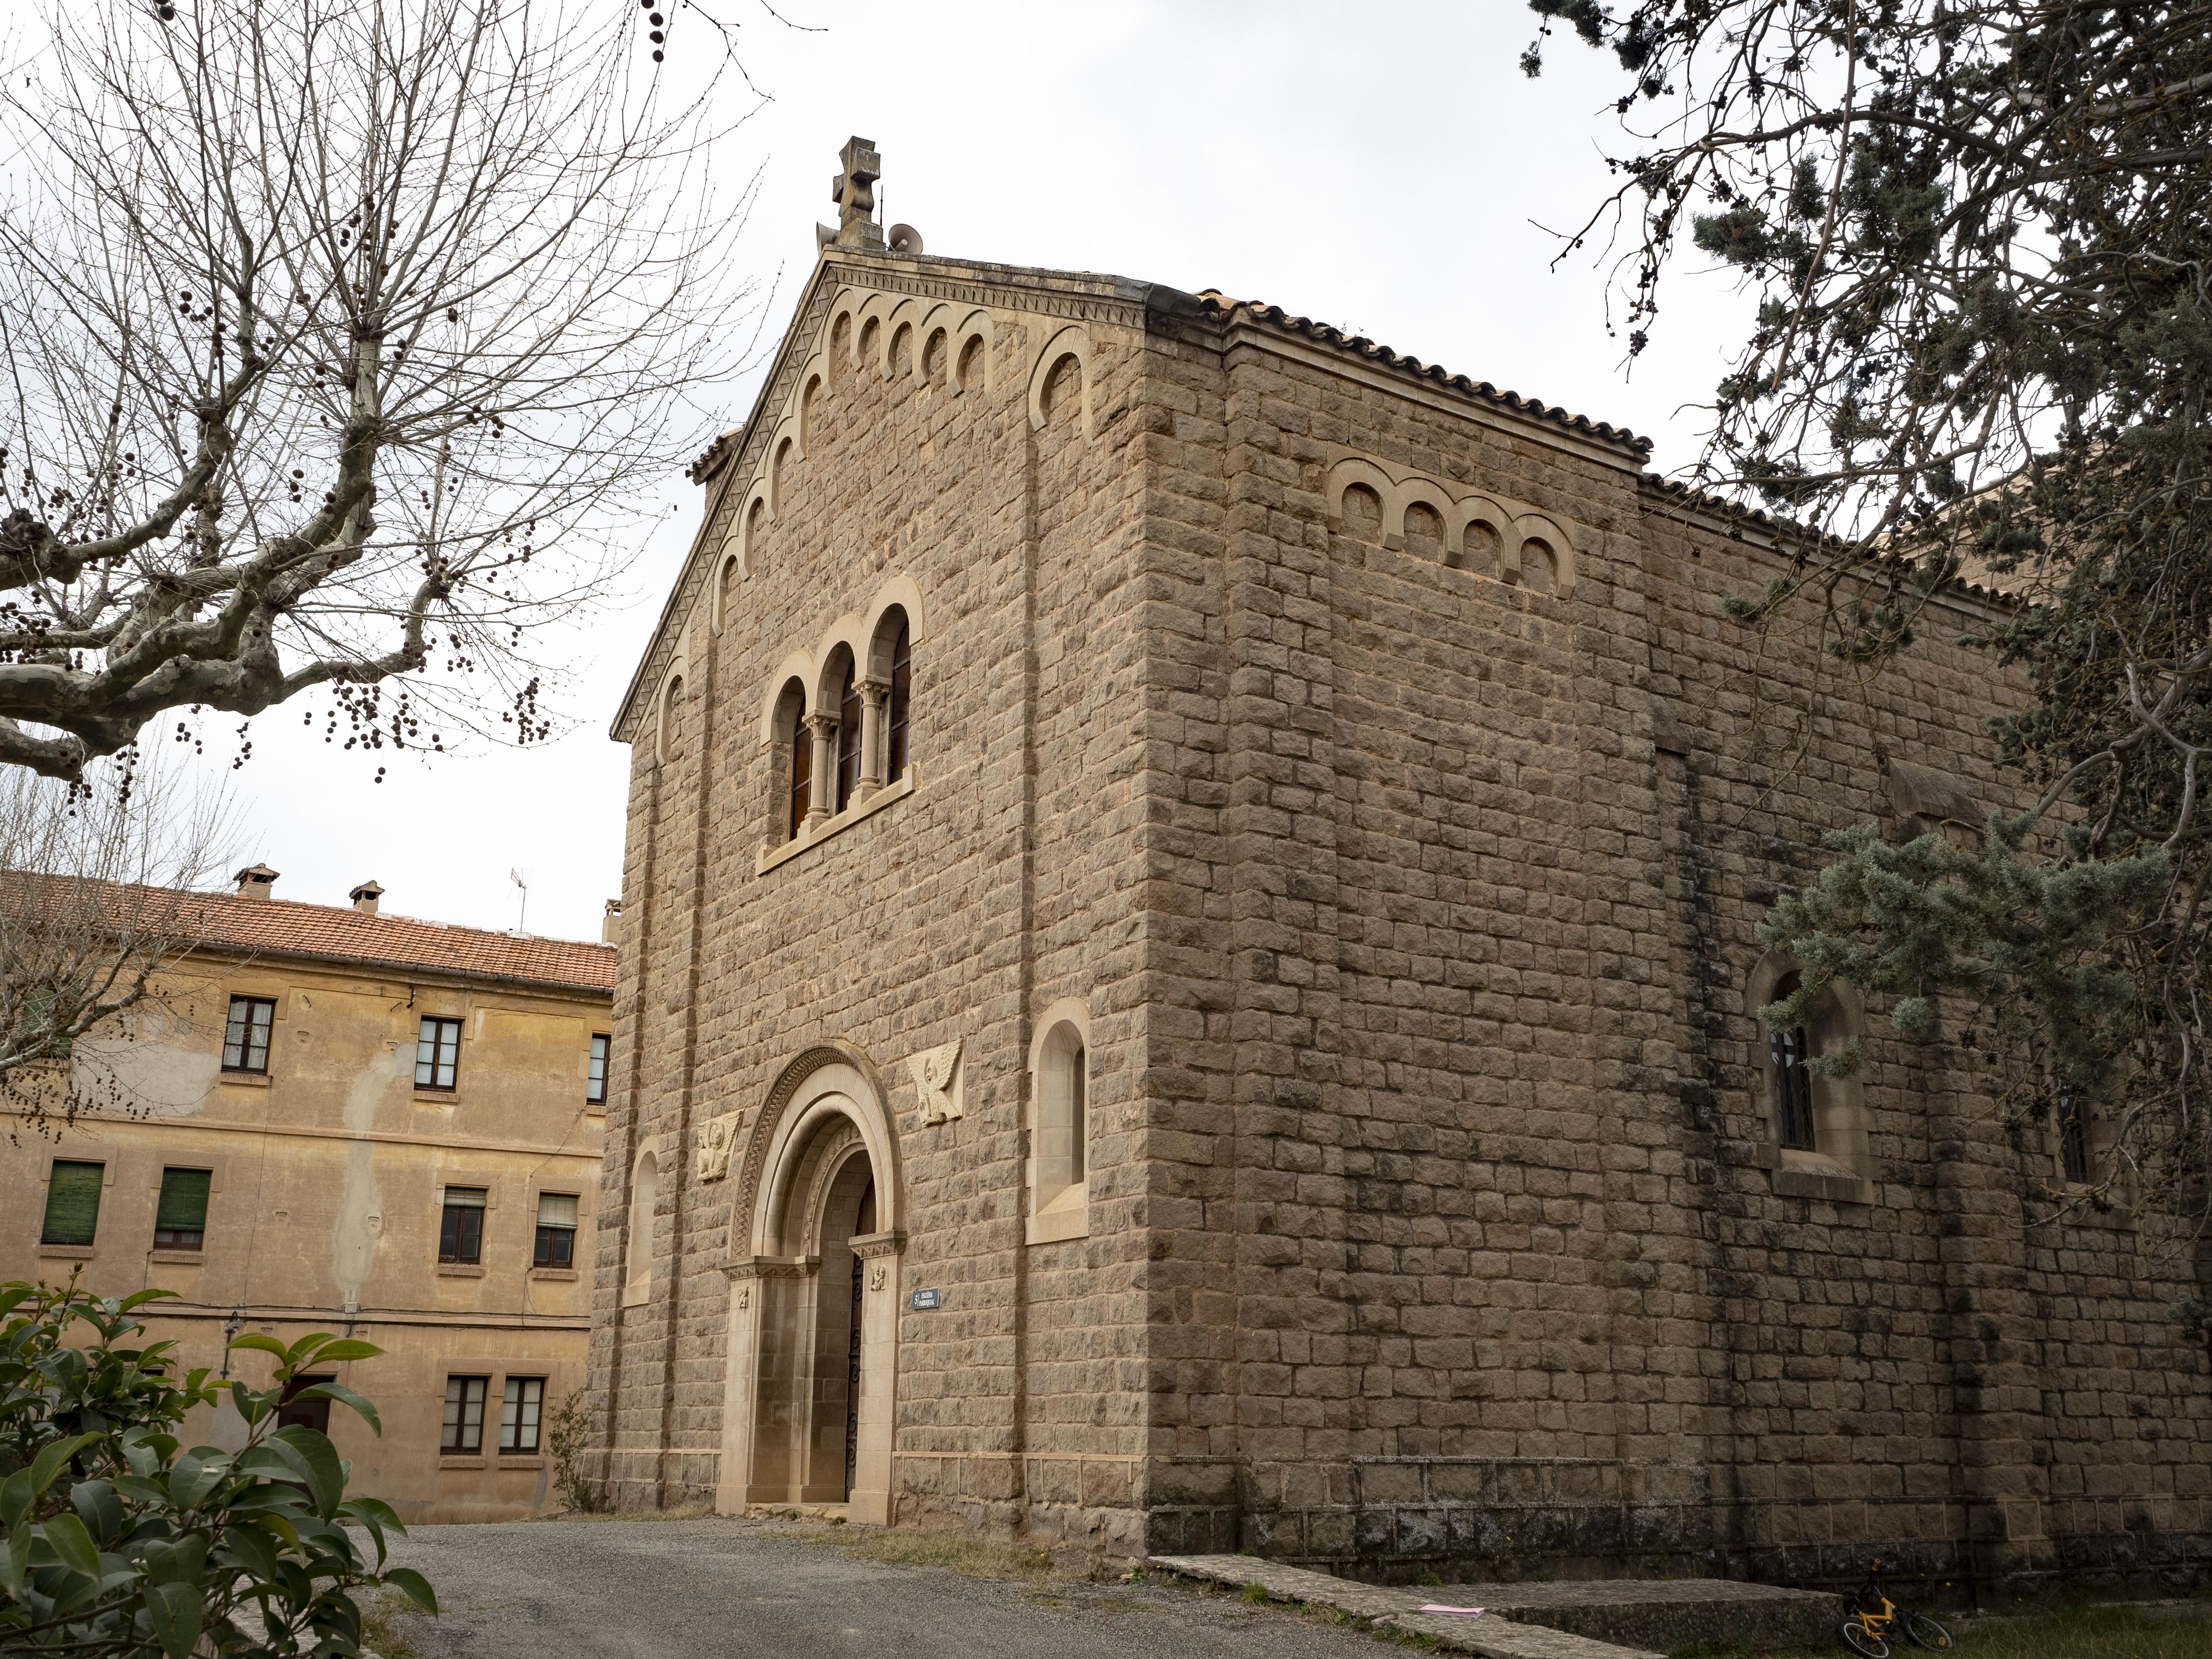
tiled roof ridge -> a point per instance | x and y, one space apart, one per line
298 928
716 456
1214 300
1721 506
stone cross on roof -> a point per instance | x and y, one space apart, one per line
855 192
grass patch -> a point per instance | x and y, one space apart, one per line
383 1625
681 1512
1256 1595
2138 1632
2084 1632
907 1546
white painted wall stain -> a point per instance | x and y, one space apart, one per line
360 1223
143 1075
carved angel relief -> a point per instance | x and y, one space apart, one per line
936 1074
717 1135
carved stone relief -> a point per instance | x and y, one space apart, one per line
717 1136
936 1073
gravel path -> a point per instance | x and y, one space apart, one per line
721 1588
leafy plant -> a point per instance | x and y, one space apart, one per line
114 1539
1982 346
567 1432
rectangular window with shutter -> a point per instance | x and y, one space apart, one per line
518 1412
464 1428
556 1231
180 1219
460 1226
73 1203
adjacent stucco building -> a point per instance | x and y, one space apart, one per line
1188 984
331 1119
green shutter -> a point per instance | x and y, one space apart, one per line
184 1201
73 1204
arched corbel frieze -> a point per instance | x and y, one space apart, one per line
1354 470
1461 509
1426 492
748 522
975 326
1073 341
1531 527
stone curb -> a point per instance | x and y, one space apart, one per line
1491 1637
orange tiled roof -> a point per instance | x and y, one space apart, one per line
1214 300
334 933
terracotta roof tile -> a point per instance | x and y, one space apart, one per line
326 932
716 456
333 932
1276 317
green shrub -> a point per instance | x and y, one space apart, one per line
115 1541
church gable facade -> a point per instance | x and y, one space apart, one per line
1188 984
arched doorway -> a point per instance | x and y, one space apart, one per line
814 1300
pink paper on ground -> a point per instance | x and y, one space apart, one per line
1464 1613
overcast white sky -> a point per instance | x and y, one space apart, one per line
1383 167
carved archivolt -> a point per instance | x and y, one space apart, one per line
784 1126
1459 510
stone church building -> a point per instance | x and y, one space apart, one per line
1187 979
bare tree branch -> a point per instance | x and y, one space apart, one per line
337 334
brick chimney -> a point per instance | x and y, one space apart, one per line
255 880
610 922
365 896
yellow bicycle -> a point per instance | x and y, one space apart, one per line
1869 1617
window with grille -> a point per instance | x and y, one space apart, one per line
848 740
900 716
181 1218
2073 1136
518 1412
1793 1088
1788 1051
556 1231
246 1040
437 1053
73 1203
464 1406
595 1079
460 1226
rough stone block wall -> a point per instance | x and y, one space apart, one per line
1436 1214
955 914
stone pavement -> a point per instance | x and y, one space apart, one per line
724 1588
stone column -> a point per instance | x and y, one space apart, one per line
874 1495
823 792
740 1387
875 735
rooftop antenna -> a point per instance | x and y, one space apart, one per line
516 877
